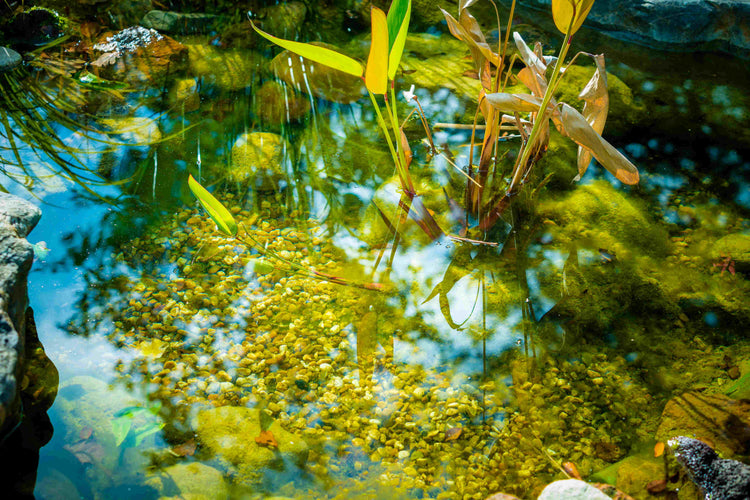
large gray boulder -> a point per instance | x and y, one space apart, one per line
17 219
672 24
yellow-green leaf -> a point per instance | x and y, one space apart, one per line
321 55
566 11
398 27
218 213
376 73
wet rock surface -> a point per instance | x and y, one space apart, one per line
17 219
718 478
9 59
720 420
180 23
672 24
140 55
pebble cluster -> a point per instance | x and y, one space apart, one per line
211 322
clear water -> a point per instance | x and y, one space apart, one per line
472 369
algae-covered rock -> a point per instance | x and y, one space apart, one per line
723 421
560 160
87 407
191 480
228 70
634 473
276 104
134 130
180 22
138 55
317 79
624 111
599 216
230 433
736 247
284 19
259 158
184 93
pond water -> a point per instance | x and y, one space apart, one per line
339 349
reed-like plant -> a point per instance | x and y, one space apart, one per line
530 113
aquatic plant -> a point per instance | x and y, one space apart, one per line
124 418
386 48
529 114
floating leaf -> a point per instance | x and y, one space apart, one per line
85 433
218 213
514 103
152 348
146 430
266 439
322 55
376 74
565 12
130 412
186 449
577 128
120 428
398 27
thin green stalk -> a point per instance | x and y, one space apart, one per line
384 128
542 117
408 185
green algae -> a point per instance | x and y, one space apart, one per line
598 216
227 70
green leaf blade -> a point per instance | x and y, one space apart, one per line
218 212
321 55
398 27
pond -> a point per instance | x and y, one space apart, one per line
371 329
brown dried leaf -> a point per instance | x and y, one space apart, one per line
85 433
534 79
595 109
571 470
186 449
266 439
514 103
577 128
480 45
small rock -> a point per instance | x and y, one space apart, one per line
259 157
571 489
137 55
284 19
191 479
9 59
180 23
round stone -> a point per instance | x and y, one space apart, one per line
9 59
